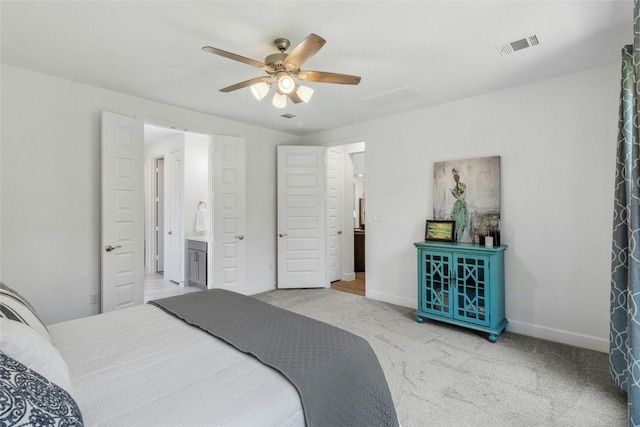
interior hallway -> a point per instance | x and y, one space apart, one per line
356 287
156 287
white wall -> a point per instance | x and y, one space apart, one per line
556 139
196 180
51 187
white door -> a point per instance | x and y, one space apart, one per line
174 243
122 236
229 240
301 217
334 213
159 214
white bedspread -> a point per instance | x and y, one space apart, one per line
141 366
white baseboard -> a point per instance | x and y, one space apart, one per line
557 335
348 277
536 331
392 299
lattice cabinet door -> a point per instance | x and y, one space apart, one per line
472 289
436 283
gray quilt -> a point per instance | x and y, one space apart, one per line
336 373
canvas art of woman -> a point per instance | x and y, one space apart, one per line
459 212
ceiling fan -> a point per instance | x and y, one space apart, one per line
283 69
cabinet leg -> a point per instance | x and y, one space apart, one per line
493 337
419 319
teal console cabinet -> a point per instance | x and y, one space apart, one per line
462 284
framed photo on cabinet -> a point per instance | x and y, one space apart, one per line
443 231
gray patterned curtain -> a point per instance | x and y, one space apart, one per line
624 342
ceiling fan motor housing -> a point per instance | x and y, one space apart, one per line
276 61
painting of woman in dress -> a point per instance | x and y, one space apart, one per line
459 212
471 198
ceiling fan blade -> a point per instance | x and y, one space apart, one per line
305 50
245 84
293 96
238 58
324 77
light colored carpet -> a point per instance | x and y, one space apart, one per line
441 375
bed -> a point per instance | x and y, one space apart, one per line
202 359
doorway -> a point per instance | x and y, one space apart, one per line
353 240
177 183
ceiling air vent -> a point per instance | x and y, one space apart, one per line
288 116
516 45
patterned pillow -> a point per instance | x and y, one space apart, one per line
27 398
13 306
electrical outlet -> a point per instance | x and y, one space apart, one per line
94 298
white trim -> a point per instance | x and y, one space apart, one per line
346 146
356 139
392 299
348 277
565 337
180 127
536 331
149 211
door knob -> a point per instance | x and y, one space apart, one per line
340 232
169 233
110 248
241 237
282 235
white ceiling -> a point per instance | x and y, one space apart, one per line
416 53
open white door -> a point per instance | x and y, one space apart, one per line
159 215
301 217
174 249
334 213
229 213
122 275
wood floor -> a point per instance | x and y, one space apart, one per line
356 287
156 287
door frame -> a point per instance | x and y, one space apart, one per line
150 185
335 231
150 189
348 146
174 251
155 220
346 193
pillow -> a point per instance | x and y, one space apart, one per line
13 306
25 345
27 398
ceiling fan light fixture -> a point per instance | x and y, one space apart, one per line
284 72
286 84
279 100
260 90
305 93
